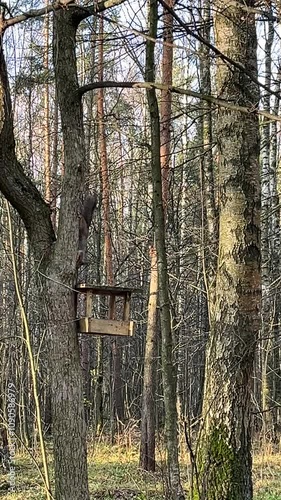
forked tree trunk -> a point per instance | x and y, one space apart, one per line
56 260
224 459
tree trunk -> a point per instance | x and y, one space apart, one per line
166 102
118 406
168 367
147 448
209 215
265 240
275 267
47 134
56 260
224 458
55 166
69 430
98 391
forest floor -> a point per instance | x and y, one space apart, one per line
114 475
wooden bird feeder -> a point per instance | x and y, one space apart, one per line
110 326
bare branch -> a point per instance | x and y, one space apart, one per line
216 51
5 8
78 11
253 10
177 90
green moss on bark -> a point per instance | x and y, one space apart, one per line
219 468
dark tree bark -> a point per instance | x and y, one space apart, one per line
56 258
67 385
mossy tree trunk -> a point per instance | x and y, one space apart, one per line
224 453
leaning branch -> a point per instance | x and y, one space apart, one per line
177 90
15 185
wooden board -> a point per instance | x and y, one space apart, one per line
106 327
105 290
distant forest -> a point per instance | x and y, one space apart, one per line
140 244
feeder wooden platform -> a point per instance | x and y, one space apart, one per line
110 326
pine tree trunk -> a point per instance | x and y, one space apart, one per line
209 218
147 450
166 102
118 406
168 366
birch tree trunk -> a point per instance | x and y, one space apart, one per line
224 458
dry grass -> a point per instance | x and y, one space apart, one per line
114 473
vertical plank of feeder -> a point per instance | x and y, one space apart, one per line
89 304
111 311
127 301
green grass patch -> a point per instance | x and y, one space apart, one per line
267 476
